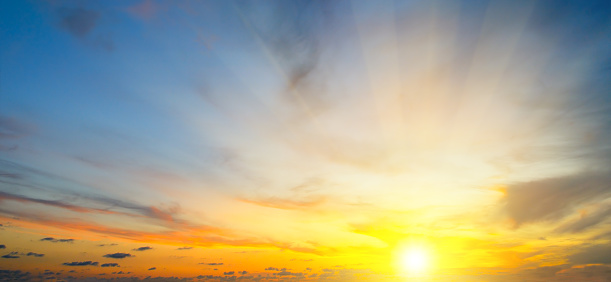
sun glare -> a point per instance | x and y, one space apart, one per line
415 260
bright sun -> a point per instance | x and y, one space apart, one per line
415 260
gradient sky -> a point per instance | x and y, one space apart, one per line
305 140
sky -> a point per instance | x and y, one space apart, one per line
305 140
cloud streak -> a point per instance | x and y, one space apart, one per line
118 255
81 263
551 199
54 240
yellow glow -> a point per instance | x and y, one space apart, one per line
415 260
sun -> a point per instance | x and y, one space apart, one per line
415 260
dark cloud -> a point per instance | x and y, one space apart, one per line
143 248
272 269
11 255
592 254
31 254
215 263
553 198
243 272
15 275
78 21
152 268
229 273
2 247
117 255
112 264
81 263
51 239
185 248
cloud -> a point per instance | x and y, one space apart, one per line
553 198
11 255
152 268
215 263
118 255
22 173
81 263
143 248
2 247
288 273
148 211
206 235
586 273
291 31
51 239
243 272
592 254
229 273
35 254
112 264
185 248
78 21
54 203
287 204
586 220
146 9
272 269
104 245
15 275
12 128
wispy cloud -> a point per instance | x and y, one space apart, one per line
78 21
550 199
289 204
